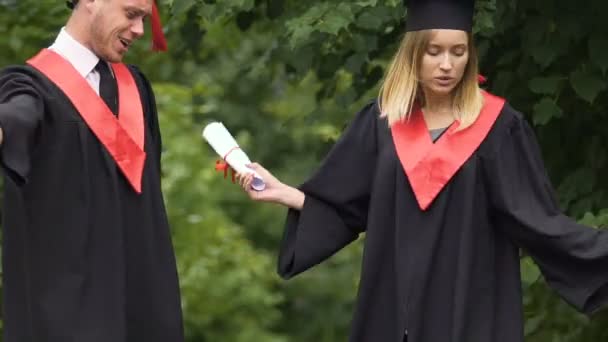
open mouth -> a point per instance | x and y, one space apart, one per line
126 43
444 78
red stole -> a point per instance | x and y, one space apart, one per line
123 138
429 167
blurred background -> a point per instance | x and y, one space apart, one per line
285 77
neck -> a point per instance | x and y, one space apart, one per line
438 103
438 111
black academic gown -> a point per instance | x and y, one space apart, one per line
85 258
449 273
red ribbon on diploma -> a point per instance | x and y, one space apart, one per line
222 165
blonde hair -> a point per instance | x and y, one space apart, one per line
401 90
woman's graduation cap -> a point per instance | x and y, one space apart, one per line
439 14
159 42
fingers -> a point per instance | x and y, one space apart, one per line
247 182
244 180
240 177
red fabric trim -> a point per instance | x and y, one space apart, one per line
159 42
429 167
131 115
123 139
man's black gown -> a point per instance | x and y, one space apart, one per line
449 273
85 258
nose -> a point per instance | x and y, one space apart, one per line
137 28
446 62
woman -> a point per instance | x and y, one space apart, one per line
447 182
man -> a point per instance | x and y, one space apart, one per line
87 248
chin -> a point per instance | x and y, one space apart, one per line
114 57
442 91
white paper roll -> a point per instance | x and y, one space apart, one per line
224 144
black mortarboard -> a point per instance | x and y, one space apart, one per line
439 14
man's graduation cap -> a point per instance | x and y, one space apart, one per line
159 42
439 14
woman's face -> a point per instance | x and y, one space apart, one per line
444 61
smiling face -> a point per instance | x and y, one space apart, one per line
444 62
115 25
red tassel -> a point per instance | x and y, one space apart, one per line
481 79
159 42
220 165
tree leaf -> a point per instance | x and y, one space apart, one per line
545 85
300 28
545 110
336 19
598 52
180 6
587 86
365 3
543 55
529 272
369 20
532 324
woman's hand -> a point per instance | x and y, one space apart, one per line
275 191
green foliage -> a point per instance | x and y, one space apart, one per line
227 285
285 76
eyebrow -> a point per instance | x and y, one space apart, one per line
432 45
137 11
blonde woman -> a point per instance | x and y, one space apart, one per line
448 184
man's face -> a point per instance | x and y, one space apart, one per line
115 25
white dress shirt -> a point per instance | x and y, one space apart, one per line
83 59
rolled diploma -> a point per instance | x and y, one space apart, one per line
228 149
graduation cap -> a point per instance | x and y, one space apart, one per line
159 42
439 14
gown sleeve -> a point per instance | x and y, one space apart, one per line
337 197
573 258
21 112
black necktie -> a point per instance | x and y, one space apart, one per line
107 86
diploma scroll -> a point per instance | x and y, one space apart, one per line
226 147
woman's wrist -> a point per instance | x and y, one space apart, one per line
291 197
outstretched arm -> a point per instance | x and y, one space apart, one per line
275 191
20 118
329 210
22 110
572 257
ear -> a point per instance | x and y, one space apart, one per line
89 5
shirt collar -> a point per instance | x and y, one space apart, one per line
83 59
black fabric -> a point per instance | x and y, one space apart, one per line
21 113
85 258
450 273
108 90
439 14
